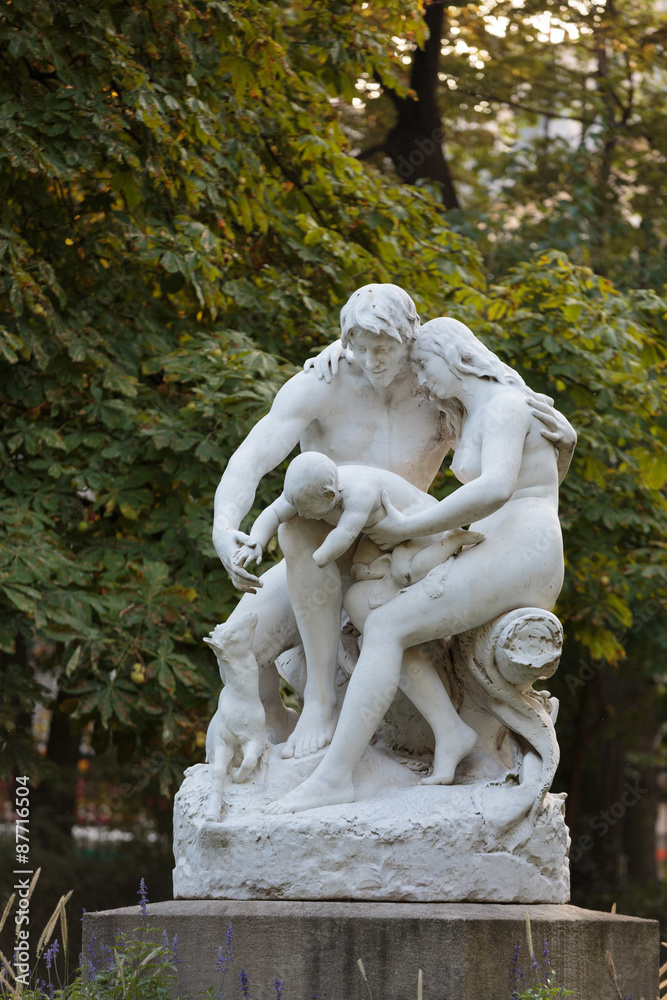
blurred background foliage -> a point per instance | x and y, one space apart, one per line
190 192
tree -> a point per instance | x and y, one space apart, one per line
553 117
177 202
415 142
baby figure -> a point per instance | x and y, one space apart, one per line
350 498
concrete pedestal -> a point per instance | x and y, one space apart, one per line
464 949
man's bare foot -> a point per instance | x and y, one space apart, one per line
313 731
448 752
280 722
312 794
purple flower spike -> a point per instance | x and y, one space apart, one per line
245 984
142 893
278 987
51 953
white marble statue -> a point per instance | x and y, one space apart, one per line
351 499
370 410
413 630
509 494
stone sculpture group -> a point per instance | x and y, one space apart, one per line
412 629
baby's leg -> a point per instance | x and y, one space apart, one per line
428 557
223 756
453 738
252 753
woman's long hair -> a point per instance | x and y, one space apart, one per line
464 354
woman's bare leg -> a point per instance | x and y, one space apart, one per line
420 682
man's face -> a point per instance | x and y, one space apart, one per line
379 356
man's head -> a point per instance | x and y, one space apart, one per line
377 323
311 484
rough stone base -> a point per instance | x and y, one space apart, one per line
464 949
401 841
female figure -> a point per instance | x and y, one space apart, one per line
509 494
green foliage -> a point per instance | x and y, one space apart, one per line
181 222
178 207
543 991
554 116
141 966
602 355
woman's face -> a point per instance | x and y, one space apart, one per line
380 357
434 374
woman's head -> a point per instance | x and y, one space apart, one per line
463 354
444 353
311 484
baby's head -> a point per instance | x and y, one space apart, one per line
311 484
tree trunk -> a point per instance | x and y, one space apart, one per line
415 142
613 808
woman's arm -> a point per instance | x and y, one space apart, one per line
503 437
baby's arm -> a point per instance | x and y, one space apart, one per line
265 528
359 501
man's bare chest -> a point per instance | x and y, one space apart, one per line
406 440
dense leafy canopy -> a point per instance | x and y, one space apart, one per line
182 220
554 115
177 201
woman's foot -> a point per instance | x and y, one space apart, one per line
449 751
313 793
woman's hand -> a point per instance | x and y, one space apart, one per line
557 429
326 363
391 529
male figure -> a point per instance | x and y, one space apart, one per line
372 412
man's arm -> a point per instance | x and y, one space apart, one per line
266 446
